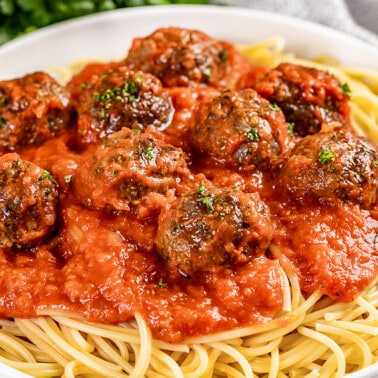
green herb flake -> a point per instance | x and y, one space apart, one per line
149 152
224 55
253 135
201 188
325 156
47 175
161 284
3 100
290 128
346 88
208 201
274 107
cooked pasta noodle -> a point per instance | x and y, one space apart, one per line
313 337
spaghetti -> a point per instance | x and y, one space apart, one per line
314 336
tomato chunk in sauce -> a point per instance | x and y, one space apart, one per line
180 193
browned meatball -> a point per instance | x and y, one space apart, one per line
33 108
130 168
241 129
122 98
333 164
28 202
209 229
179 57
311 99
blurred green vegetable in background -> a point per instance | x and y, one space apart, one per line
18 17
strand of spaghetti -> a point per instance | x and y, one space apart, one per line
358 341
355 326
76 339
95 363
296 317
198 366
274 364
367 307
142 360
236 356
287 299
119 332
106 351
213 356
12 346
254 350
38 337
36 369
160 361
130 335
341 365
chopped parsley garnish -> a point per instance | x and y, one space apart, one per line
149 152
224 55
325 156
290 128
161 284
274 107
253 135
208 201
128 91
2 101
47 175
16 163
345 88
201 189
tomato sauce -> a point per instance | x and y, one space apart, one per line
102 265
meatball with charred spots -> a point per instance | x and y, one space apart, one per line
311 99
333 165
208 229
28 203
122 98
241 129
181 57
129 169
33 109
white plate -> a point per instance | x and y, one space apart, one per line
108 35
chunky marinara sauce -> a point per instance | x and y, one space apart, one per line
179 183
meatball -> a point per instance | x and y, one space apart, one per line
208 229
130 168
311 99
33 108
179 57
122 98
241 129
28 202
333 164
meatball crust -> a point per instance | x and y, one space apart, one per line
122 98
28 202
33 108
311 99
128 169
241 129
210 229
333 164
179 57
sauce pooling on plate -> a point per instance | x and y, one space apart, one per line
180 183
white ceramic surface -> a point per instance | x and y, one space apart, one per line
108 35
